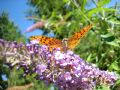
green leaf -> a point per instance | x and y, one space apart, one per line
113 43
83 4
113 21
118 40
103 2
96 10
108 37
103 87
114 66
89 58
65 1
110 40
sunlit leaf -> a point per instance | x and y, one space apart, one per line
103 87
103 2
108 37
114 66
96 10
113 21
83 4
65 1
113 43
89 58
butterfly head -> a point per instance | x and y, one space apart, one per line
65 44
64 41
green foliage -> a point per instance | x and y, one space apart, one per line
8 31
3 71
101 45
16 79
103 87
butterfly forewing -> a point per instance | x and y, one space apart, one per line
48 41
74 40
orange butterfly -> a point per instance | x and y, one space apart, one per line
64 44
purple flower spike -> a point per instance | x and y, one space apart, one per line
64 69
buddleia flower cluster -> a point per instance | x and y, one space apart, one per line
65 70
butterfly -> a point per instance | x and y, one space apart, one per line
66 43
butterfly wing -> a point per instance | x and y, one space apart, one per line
48 41
75 39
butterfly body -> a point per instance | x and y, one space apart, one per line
66 43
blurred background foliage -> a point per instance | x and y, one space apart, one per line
100 46
8 29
